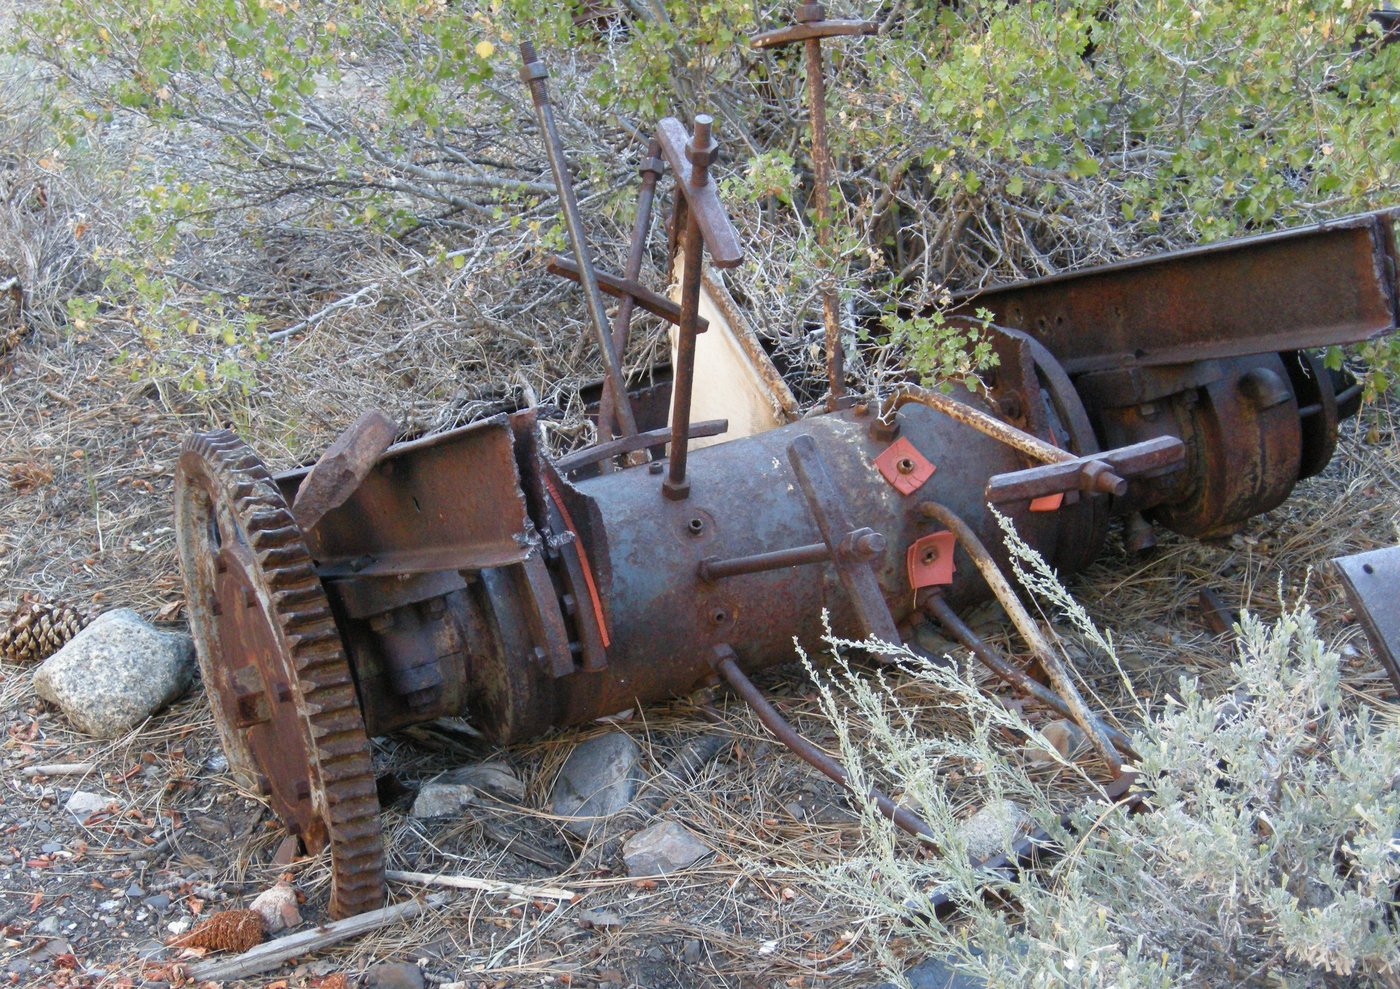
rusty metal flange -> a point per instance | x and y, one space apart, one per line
273 663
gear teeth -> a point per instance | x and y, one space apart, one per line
338 759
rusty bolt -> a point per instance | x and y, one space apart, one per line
1011 406
862 545
905 465
696 526
701 150
808 13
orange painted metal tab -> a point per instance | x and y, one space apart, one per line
904 466
930 560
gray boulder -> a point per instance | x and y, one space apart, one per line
115 673
598 779
662 848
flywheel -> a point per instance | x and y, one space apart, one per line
273 663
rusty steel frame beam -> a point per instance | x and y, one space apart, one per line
1230 299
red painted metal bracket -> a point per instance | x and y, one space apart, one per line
904 466
930 560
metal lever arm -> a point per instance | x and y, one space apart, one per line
1104 472
852 550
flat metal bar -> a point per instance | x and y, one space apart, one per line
1331 283
1372 581
829 512
813 30
343 467
624 289
719 234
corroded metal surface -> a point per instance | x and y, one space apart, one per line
271 658
1372 581
1331 283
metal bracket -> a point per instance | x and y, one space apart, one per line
904 466
1372 581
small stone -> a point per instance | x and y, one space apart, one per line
48 927
151 950
442 800
599 918
691 952
49 847
159 903
662 848
1064 736
135 892
109 906
936 973
178 926
83 804
115 673
598 779
494 777
278 907
392 975
992 829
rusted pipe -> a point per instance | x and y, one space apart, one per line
534 74
903 819
1040 648
712 569
942 612
1015 438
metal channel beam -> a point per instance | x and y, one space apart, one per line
1331 283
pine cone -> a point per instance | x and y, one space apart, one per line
227 930
38 630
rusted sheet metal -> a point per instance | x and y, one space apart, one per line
448 502
1372 581
343 467
1332 283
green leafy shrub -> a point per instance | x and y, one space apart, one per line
979 141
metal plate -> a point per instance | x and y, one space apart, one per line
1372 581
1331 283
447 502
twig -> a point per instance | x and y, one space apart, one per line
356 296
485 885
59 769
272 953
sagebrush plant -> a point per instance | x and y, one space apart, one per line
1269 856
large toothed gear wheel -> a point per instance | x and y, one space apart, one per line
273 663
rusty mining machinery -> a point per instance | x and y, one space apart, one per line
469 574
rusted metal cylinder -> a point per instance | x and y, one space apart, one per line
664 621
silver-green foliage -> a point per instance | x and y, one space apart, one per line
1271 855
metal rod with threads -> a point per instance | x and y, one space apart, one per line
650 170
533 72
700 151
821 196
